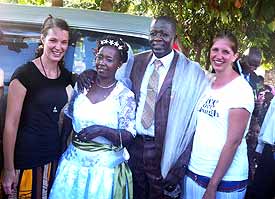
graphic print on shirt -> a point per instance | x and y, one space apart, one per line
209 107
55 110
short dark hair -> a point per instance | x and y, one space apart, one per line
254 56
254 51
169 20
260 78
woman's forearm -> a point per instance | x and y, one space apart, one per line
122 137
16 96
113 135
8 149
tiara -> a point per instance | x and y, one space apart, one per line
111 43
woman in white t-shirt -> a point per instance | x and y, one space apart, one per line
218 166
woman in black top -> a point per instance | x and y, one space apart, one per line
37 93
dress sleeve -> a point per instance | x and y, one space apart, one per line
69 109
127 114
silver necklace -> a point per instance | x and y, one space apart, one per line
105 87
44 68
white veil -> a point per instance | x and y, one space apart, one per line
123 73
188 84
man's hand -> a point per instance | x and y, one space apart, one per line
170 183
85 79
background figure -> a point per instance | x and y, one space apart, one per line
264 180
218 166
247 65
31 138
94 165
167 86
260 83
263 101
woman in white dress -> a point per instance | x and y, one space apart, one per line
103 118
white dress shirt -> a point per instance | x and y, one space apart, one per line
166 61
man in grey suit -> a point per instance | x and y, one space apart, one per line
161 149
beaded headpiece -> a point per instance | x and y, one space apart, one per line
112 43
116 42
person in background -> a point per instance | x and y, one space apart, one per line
218 167
167 86
264 99
247 65
37 92
263 185
260 83
103 118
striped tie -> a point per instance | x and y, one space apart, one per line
150 102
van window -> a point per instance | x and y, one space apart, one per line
17 46
18 43
83 44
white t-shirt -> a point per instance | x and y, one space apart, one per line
211 130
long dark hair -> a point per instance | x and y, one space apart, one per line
49 23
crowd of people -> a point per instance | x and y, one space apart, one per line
173 132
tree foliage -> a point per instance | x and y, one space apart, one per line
199 20
252 21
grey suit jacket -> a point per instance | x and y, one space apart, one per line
161 110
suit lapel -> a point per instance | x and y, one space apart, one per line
142 65
169 76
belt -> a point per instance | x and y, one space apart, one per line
146 137
224 186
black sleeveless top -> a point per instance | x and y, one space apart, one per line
38 141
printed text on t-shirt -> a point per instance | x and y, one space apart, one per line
209 107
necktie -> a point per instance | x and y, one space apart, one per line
150 102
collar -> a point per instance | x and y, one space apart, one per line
166 60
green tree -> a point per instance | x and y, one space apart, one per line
253 21
199 20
